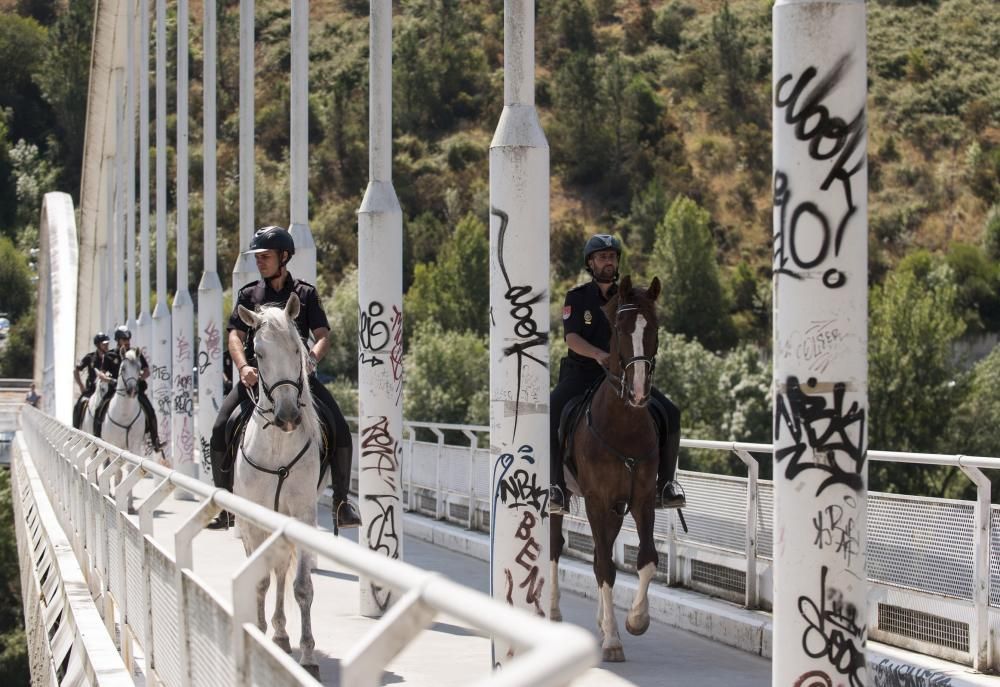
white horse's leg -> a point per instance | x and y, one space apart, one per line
303 587
278 617
252 538
612 644
555 614
637 621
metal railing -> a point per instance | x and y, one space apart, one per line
164 610
934 573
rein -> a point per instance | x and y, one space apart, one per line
283 471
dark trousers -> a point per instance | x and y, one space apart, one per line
574 380
339 454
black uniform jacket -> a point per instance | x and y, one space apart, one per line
92 362
258 293
113 362
582 315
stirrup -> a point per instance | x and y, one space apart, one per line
346 515
557 501
671 496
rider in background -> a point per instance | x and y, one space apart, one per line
112 364
92 363
273 247
588 335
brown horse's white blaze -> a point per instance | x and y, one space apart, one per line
638 370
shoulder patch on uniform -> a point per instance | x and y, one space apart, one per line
567 311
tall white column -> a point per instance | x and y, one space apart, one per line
820 342
182 423
130 66
211 331
245 269
144 325
160 360
106 255
117 273
380 325
519 324
303 263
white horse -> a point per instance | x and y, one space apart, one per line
124 424
278 464
90 407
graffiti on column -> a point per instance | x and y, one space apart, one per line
832 631
831 139
381 453
161 398
825 437
373 333
396 354
837 531
886 673
211 348
183 405
523 494
522 310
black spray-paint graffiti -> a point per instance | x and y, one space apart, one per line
379 452
825 431
206 456
521 489
833 632
373 333
828 137
383 538
527 558
834 531
522 310
889 674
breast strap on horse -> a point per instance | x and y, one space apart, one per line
281 472
128 427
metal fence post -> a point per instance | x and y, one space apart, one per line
473 443
438 500
979 640
751 535
411 498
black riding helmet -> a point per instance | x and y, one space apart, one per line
599 242
122 333
273 238
101 337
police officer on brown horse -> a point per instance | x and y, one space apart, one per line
588 336
273 247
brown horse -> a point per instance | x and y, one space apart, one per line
615 451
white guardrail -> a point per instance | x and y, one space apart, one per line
154 606
933 564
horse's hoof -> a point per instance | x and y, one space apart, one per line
556 616
614 655
313 670
283 644
639 628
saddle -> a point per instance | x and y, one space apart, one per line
238 419
579 407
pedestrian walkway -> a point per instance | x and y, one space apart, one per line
449 653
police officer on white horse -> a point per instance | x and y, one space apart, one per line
93 362
273 247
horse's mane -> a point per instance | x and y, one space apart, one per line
274 316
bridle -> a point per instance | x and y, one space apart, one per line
618 382
122 391
281 472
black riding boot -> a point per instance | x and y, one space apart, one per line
152 427
669 493
345 512
222 477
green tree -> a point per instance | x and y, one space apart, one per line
13 645
341 359
978 414
17 292
18 356
447 376
648 208
912 380
22 49
63 79
684 258
453 290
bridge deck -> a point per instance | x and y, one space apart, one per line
448 653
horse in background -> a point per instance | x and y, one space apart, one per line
615 452
124 425
278 462
90 407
